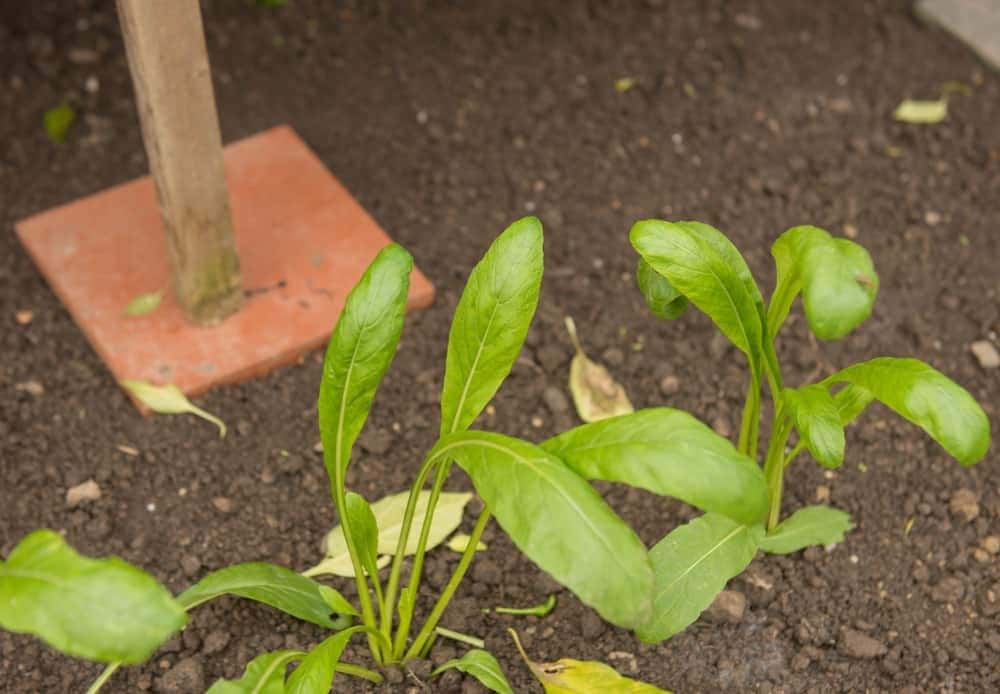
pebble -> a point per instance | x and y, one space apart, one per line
31 388
376 441
856 644
985 353
628 658
190 565
964 504
82 493
728 606
591 625
948 590
24 317
991 543
186 677
223 504
555 400
670 385
722 427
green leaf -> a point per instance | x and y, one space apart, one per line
667 452
272 585
168 399
57 122
818 421
542 610
143 304
361 348
491 322
388 513
481 665
265 674
558 520
811 525
364 528
316 672
661 297
921 112
926 397
836 277
691 565
851 401
704 266
101 609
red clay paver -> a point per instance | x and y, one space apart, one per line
303 242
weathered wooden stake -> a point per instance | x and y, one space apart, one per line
165 43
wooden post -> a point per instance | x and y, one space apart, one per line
165 43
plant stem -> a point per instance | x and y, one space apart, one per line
774 467
358 671
367 612
397 560
459 636
450 588
406 615
103 678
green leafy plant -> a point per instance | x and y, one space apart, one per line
541 496
691 262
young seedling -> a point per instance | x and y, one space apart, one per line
541 496
691 262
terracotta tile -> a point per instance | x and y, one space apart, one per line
303 242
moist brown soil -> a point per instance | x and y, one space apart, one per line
448 120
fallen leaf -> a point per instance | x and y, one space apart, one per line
143 304
568 676
389 513
168 399
24 317
921 112
537 611
623 84
57 122
595 393
460 542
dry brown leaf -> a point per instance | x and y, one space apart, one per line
595 393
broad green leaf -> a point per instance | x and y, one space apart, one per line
558 520
101 609
481 665
921 112
542 610
835 276
596 394
691 565
811 525
364 528
818 421
927 398
143 304
459 542
388 513
58 121
851 401
667 452
168 399
704 266
661 297
265 674
272 585
315 673
360 350
491 322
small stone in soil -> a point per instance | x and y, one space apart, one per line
190 565
376 441
991 543
591 625
964 504
856 644
31 388
670 385
985 353
728 606
223 504
215 642
82 493
948 590
555 400
186 677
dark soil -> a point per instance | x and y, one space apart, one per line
448 120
